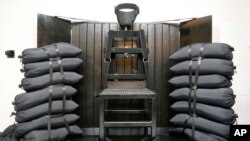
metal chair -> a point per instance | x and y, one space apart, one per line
138 84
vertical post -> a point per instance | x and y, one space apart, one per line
153 117
147 111
101 129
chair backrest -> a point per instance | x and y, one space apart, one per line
123 49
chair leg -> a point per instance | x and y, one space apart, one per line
101 129
153 118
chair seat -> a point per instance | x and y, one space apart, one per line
127 94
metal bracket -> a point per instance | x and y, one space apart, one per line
107 60
145 60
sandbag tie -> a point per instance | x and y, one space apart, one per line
63 88
50 97
67 126
190 79
193 87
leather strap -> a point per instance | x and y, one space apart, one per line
50 99
190 79
63 89
194 89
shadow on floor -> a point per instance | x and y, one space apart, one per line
129 138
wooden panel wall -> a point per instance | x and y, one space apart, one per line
52 30
162 40
196 31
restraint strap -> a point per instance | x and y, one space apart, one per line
190 83
50 98
190 80
194 89
50 92
63 88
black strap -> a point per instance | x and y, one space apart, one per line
63 89
50 92
50 99
194 89
190 79
190 82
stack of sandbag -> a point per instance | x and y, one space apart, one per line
202 92
45 111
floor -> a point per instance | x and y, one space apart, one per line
131 138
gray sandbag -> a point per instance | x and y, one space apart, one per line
9 130
7 138
41 68
203 136
59 134
42 123
210 50
41 110
204 81
222 97
28 100
202 124
7 134
33 55
207 66
218 114
35 83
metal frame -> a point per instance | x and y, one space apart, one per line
139 95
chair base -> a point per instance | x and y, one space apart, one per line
148 138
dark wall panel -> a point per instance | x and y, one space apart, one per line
158 69
165 88
162 40
196 31
51 30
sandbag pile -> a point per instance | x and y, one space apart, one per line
202 91
45 111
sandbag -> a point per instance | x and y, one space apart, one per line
28 100
210 50
41 68
59 134
42 123
218 114
9 130
222 97
65 50
203 136
204 81
35 83
202 124
41 110
207 66
7 134
7 138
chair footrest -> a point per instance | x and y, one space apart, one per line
127 94
128 124
126 76
126 111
